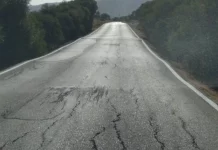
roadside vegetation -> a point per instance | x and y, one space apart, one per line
185 32
25 35
100 19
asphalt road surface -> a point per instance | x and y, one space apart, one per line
104 92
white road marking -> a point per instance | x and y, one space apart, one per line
38 58
209 101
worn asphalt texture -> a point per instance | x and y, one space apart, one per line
104 92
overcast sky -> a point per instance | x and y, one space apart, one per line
37 2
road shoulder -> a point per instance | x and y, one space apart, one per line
206 90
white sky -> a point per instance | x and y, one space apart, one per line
37 2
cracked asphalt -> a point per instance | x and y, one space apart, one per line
104 92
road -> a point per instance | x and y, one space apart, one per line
104 92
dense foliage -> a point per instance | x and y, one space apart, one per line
103 16
186 32
25 35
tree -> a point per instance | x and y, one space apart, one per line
67 26
97 15
105 17
37 44
53 33
91 6
1 35
25 35
184 31
12 18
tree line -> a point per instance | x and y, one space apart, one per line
185 32
102 17
25 35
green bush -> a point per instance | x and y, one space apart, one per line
25 35
184 31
